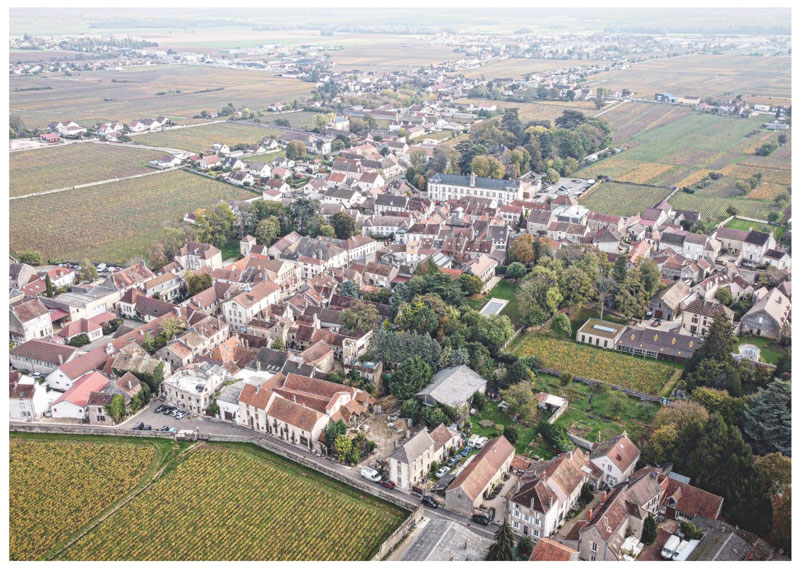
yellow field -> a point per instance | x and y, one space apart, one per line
644 173
693 178
766 191
200 138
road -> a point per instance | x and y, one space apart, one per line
211 426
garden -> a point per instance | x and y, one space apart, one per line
505 290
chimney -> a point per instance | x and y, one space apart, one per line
294 398
589 516
177 310
60 359
141 332
472 180
605 494
258 364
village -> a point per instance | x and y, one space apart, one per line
419 300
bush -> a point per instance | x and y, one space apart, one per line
79 340
516 270
511 434
562 325
556 435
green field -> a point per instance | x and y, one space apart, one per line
632 118
544 110
235 502
111 222
132 93
200 138
519 67
623 199
33 171
648 376
715 208
744 225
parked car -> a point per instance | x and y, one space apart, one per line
172 429
472 440
452 461
444 470
164 429
465 452
656 322
370 474
387 484
161 408
430 502
138 426
481 442
147 427
648 314
481 519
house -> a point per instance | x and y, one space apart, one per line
247 305
443 187
453 387
194 256
29 319
547 550
260 169
20 274
483 267
376 274
777 259
666 304
608 525
410 463
166 287
41 356
241 177
756 245
545 493
601 333
72 404
50 138
88 327
657 343
769 317
616 457
127 386
479 476
678 499
192 387
61 277
699 314
27 399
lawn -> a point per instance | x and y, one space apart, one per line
132 93
771 350
74 164
525 432
644 375
744 225
60 483
505 290
623 199
230 250
224 502
111 222
200 138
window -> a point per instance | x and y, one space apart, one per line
592 558
609 467
535 533
515 524
538 523
594 547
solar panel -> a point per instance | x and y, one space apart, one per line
605 328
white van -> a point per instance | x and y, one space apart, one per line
370 474
670 547
101 267
472 440
480 442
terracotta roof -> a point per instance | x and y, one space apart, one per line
549 551
78 393
622 451
474 478
29 310
300 416
441 435
20 391
46 351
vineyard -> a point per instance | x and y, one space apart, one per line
623 199
236 503
59 484
200 138
114 221
74 164
644 375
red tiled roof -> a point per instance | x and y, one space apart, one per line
549 550
78 394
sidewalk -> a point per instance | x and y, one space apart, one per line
398 552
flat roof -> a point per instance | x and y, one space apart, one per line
602 328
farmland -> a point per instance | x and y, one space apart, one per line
623 199
632 118
74 164
59 484
200 138
241 503
519 67
644 375
114 221
535 111
395 53
132 93
683 151
758 79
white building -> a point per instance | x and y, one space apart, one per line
192 387
27 398
443 187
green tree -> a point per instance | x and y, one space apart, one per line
344 225
409 378
267 230
48 286
360 316
344 446
552 176
197 283
724 296
172 326
503 547
650 530
516 270
721 402
767 419
521 401
31 257
302 211
295 150
349 289
278 344
631 297
470 284
620 271
480 166
525 547
88 272
518 372
562 326
116 408
332 431
521 250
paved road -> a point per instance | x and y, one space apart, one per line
211 426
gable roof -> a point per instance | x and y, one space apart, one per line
474 478
78 393
411 451
620 449
454 386
547 550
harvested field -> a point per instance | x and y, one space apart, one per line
200 138
114 221
74 164
713 208
519 67
536 111
630 119
623 199
129 94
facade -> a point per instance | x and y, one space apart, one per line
29 319
410 463
192 387
601 333
194 256
616 458
699 314
41 356
770 316
443 187
27 400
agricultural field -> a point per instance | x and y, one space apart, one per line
302 120
33 171
59 484
225 502
200 138
132 93
683 151
519 67
111 222
393 54
544 110
623 199
644 375
764 79
632 118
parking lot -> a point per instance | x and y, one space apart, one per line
574 187
156 420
